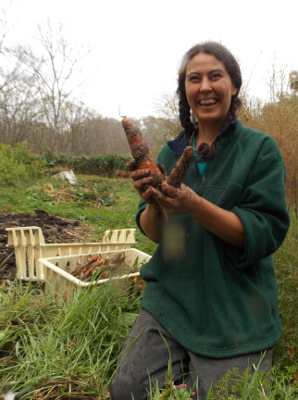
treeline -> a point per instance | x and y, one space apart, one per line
38 106
38 103
59 123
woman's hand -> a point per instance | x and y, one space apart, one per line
142 182
154 218
168 199
222 223
174 200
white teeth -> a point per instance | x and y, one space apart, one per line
208 101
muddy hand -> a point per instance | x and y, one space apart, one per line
143 181
175 200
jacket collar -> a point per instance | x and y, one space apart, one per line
178 144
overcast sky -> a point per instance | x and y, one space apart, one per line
137 45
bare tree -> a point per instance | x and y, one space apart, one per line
107 136
277 82
3 27
167 108
18 98
77 119
56 69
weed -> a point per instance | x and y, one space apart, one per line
49 346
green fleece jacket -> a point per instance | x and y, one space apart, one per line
217 300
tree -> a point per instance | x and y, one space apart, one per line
18 98
55 69
3 27
77 118
167 109
109 137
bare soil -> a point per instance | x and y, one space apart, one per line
55 230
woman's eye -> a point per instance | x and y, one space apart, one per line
216 76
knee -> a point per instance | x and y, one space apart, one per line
121 389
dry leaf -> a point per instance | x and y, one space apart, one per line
291 351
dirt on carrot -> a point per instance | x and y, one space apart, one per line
144 160
179 171
102 268
140 151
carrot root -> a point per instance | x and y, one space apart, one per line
140 151
144 160
180 169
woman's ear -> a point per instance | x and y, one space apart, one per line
234 90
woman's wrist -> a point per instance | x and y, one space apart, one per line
156 208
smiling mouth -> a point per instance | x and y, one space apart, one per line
207 102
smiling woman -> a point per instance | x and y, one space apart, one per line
211 290
208 70
209 90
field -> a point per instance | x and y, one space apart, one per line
51 349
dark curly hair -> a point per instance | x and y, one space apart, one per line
224 55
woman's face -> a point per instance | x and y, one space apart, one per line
209 88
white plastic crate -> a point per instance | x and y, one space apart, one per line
29 246
58 270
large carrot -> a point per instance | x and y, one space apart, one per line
140 151
180 169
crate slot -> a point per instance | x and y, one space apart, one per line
29 246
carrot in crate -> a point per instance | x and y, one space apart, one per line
87 273
140 151
134 281
86 269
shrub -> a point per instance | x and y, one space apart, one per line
18 164
103 165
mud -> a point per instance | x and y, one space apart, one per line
55 230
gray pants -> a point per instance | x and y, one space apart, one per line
145 355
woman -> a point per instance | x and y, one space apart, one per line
211 295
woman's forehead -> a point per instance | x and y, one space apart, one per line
204 61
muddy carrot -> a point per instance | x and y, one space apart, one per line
99 262
87 273
180 169
134 281
89 262
140 151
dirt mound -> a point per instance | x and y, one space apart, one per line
55 230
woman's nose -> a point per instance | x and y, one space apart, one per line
205 85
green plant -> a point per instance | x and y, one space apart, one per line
18 164
2 264
44 340
102 165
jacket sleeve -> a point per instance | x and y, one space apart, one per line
262 206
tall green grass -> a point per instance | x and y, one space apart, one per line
52 348
44 340
286 267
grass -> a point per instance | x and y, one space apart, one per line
52 349
286 267
46 341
